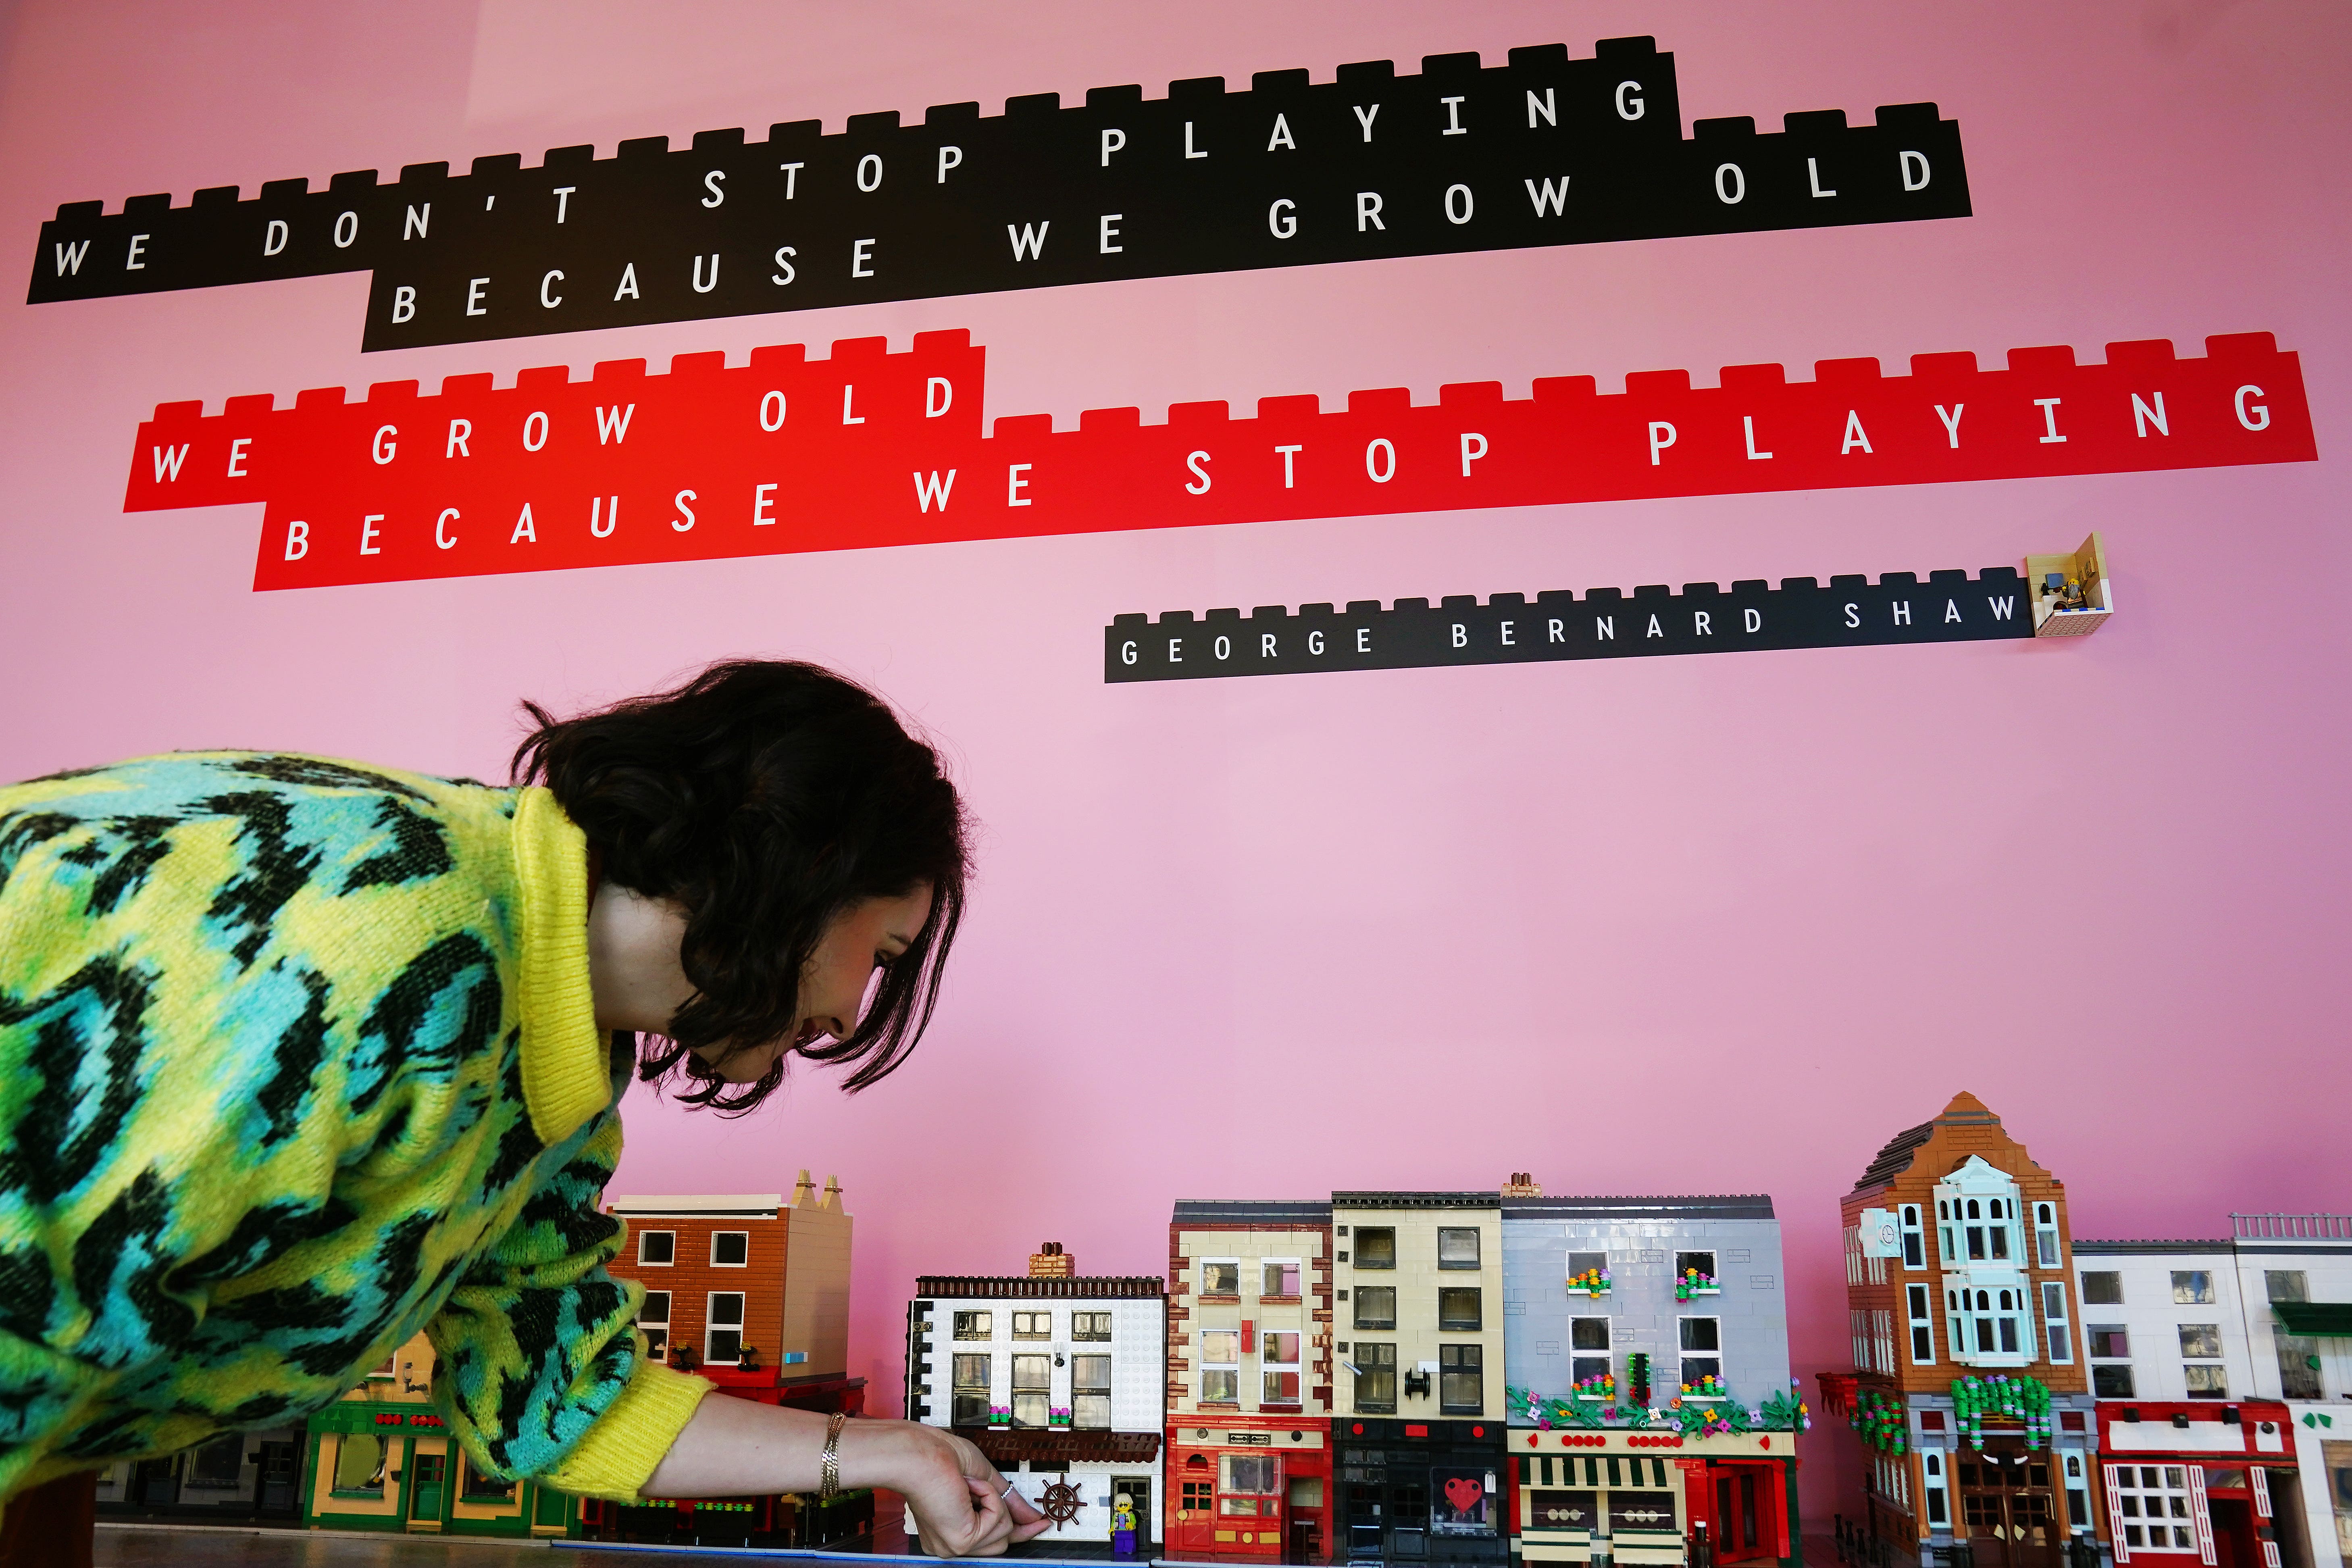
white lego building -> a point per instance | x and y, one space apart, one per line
2194 1347
1059 1378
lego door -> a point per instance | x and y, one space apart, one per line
2007 1509
280 1471
427 1481
1136 1490
155 1483
1738 1533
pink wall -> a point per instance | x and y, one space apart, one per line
1675 925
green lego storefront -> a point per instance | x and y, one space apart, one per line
393 1466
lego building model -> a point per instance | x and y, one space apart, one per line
2212 1363
1057 1376
380 1460
751 1291
1651 1413
1249 1382
1418 1419
1968 1389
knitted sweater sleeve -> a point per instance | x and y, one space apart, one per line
540 1371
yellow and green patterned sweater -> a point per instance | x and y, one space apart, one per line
297 1057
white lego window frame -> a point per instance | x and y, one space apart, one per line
1231 1367
742 1235
650 1323
1684 1354
1296 1367
645 1262
2058 1324
712 1327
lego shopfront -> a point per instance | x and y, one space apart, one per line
2195 1482
1254 1494
1647 1497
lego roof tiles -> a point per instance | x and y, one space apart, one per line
1023 1286
1743 1205
2124 1248
1416 1200
737 1204
1212 1211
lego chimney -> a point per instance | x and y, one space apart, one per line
1522 1185
831 1198
1050 1262
803 1192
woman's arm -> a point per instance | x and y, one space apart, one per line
734 1448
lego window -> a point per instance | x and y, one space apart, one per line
1915 1241
975 1325
1461 1308
722 1341
2152 1507
1251 1485
1587 1271
2059 1332
1221 1372
1277 1356
2045 1236
1561 1511
2298 1362
384 1371
359 1465
1278 1276
2103 1288
219 1464
1938 1510
657 1248
731 1249
1588 1343
1696 1264
1375 1246
1857 1327
1090 1392
1199 1495
2192 1288
1032 1388
479 1487
1090 1326
1375 1369
1919 1306
1032 1325
2110 1342
1702 1346
1457 1247
2286 1285
970 1391
2201 1342
653 1322
1375 1306
1221 1277
2113 1381
1257 1475
1461 1379
2211 1380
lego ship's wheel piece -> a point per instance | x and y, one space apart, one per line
1059 1502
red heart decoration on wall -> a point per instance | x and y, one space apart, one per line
1464 1493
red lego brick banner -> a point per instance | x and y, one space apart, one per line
868 447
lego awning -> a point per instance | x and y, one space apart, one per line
1007 1449
2332 1318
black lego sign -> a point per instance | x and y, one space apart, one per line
1544 150
1754 617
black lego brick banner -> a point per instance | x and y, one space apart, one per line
1606 623
1544 150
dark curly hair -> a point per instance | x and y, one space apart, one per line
766 796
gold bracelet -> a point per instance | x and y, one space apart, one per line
829 1469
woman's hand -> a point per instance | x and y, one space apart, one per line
961 1507
734 1448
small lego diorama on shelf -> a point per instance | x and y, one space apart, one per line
2071 594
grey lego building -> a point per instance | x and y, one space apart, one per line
1576 1488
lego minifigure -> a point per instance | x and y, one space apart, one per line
1122 1527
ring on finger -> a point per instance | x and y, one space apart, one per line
1005 1494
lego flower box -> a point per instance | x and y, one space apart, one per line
1591 1282
1694 1283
